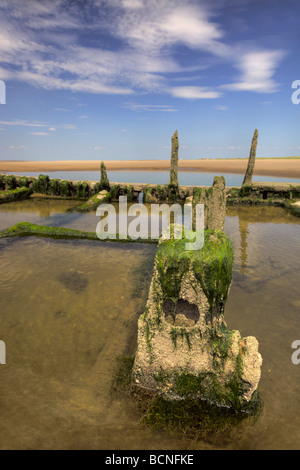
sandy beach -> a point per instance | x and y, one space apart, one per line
280 167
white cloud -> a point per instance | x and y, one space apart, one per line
17 147
147 30
162 23
132 3
257 70
63 110
52 129
149 107
20 122
38 133
42 46
68 126
194 93
220 108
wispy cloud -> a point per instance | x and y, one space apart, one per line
38 133
62 110
149 107
42 45
220 108
194 92
19 122
256 72
68 126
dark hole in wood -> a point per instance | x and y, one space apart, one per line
183 307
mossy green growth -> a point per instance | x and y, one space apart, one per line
29 229
147 195
162 192
194 418
43 183
197 193
54 187
15 194
82 190
65 188
10 182
235 192
221 340
114 192
246 190
293 208
104 182
23 182
212 266
172 192
92 203
129 192
2 182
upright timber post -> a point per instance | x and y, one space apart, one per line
251 161
173 182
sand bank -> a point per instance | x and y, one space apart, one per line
289 168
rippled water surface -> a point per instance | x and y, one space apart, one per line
68 308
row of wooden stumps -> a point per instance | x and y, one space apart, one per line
173 181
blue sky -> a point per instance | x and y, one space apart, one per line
113 79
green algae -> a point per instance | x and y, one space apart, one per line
93 202
54 187
104 182
82 190
212 266
15 194
23 181
10 182
28 229
194 418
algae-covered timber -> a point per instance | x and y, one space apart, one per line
194 418
23 229
214 201
185 349
285 195
104 182
251 162
15 194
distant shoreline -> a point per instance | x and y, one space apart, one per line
288 167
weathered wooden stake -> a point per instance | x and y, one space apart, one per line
251 161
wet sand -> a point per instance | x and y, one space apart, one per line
280 167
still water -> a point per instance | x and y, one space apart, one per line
64 319
188 178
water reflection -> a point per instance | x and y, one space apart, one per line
32 210
243 226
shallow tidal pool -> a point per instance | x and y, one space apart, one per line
69 308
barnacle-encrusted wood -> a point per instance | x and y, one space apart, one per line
185 348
